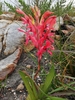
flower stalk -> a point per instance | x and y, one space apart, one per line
39 31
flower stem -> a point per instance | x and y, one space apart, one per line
37 71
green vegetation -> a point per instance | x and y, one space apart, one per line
63 57
22 4
1 8
36 92
59 8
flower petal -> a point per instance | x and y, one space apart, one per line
34 41
45 16
20 11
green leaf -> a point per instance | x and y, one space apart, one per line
48 97
30 85
48 80
55 98
46 86
56 90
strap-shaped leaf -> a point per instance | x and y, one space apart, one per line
46 85
48 80
30 85
55 98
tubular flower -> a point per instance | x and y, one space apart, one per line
41 35
39 31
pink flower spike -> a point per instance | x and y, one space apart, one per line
38 30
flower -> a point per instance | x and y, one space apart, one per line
41 29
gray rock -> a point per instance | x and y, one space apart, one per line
12 37
3 25
8 64
9 60
59 22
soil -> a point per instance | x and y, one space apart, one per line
8 88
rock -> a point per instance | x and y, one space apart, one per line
59 22
1 38
7 16
10 40
56 27
20 87
28 66
3 25
66 32
8 64
0 46
70 28
73 18
12 37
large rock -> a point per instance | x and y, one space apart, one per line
11 41
12 37
3 25
8 64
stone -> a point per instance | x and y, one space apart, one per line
13 38
59 22
3 25
70 28
20 87
73 18
7 16
8 64
0 46
28 66
66 32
